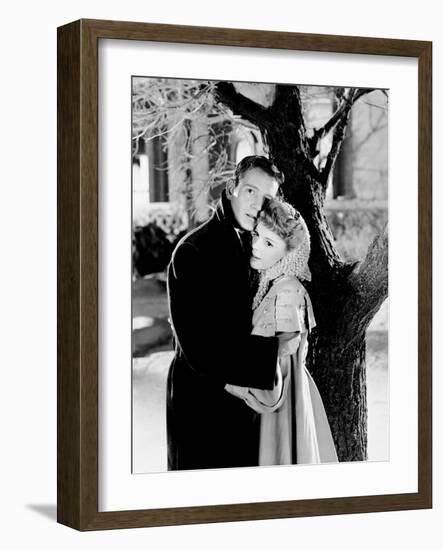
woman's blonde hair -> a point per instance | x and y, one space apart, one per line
284 220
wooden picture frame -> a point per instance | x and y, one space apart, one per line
77 428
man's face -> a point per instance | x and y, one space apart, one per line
247 198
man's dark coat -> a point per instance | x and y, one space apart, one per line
210 307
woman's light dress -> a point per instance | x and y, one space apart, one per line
294 426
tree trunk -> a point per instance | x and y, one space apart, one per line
345 296
340 374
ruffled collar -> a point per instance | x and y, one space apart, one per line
286 266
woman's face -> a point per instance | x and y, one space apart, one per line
267 247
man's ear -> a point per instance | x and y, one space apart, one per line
230 186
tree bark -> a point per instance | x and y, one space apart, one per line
339 371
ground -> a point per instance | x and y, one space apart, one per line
152 349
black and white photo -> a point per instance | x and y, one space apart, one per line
259 274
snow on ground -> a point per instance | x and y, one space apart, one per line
149 412
149 401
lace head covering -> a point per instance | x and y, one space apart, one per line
284 220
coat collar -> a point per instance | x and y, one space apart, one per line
225 214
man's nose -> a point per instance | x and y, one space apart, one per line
257 204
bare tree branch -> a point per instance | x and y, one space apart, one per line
320 133
340 124
239 104
350 97
360 92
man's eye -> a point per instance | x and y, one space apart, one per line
250 191
268 243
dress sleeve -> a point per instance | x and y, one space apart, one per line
265 322
293 310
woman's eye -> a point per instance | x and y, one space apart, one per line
268 243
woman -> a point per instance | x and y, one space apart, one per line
294 426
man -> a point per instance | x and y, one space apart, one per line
210 306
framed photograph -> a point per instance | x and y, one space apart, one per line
234 341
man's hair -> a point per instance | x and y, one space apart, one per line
257 161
